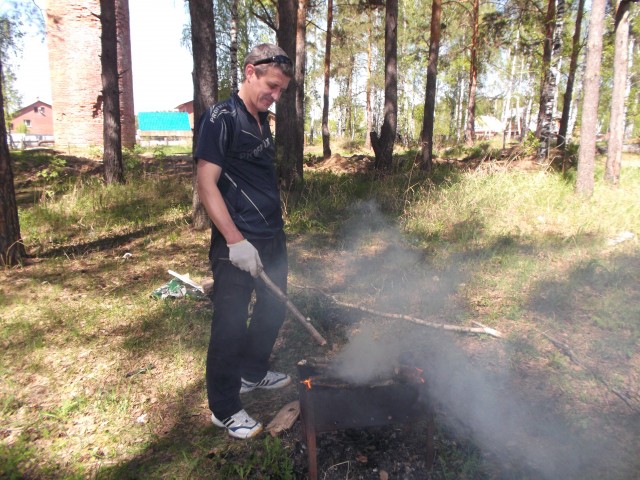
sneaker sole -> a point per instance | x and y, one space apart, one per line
231 433
281 384
244 437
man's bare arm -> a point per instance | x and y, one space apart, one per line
207 183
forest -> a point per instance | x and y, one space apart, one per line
509 69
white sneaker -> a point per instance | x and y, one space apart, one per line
270 381
239 425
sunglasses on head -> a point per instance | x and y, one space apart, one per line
282 59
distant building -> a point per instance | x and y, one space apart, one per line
164 128
188 108
31 126
35 119
487 126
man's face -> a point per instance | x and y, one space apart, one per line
266 90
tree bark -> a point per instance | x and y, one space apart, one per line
546 62
205 85
430 95
369 85
587 151
573 66
383 144
470 130
12 250
233 47
326 136
111 128
546 123
506 111
286 115
300 70
616 122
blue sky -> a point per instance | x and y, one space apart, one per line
161 66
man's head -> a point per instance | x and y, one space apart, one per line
267 72
265 56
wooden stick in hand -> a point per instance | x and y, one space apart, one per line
292 308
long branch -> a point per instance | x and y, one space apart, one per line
419 321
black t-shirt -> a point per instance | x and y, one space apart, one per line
229 137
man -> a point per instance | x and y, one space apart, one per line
237 184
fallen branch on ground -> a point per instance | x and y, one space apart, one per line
442 326
565 349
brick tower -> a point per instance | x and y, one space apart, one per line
73 38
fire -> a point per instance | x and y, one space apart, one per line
307 382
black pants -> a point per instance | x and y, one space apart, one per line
240 347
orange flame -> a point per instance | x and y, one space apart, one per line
307 382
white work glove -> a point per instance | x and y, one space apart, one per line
245 256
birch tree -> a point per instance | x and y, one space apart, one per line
549 90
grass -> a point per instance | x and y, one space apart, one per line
99 380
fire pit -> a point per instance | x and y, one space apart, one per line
329 404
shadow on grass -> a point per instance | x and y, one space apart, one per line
101 244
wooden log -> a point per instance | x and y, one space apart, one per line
284 419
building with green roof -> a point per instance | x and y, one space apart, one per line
164 128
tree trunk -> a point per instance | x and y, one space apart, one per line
430 95
546 122
286 115
300 69
573 66
470 130
506 111
546 62
12 250
233 47
205 85
460 106
350 98
326 144
616 123
369 85
587 152
383 144
111 130
629 121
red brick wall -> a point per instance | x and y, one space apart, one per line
73 38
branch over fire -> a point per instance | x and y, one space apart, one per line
442 326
